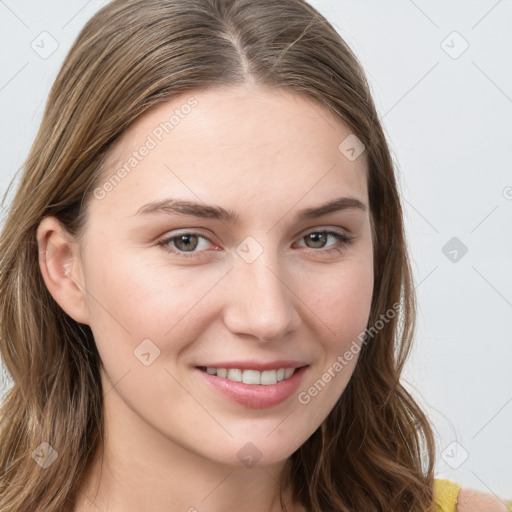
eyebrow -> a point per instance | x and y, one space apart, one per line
201 210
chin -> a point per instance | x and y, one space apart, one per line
252 453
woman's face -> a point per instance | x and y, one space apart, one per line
169 287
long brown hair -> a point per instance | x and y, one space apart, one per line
375 450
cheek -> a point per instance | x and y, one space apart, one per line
340 297
131 300
343 303
341 308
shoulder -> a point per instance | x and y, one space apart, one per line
472 500
450 496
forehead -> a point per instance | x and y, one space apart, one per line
240 146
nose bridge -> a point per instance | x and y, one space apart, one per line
261 303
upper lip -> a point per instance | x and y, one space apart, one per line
256 365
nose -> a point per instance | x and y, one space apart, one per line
261 302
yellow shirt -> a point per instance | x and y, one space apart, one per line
446 494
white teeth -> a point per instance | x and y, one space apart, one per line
270 376
222 372
266 377
234 374
251 377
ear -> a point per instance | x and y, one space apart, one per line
61 268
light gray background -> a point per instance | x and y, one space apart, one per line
447 115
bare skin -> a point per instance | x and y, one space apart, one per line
172 442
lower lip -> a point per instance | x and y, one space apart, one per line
256 396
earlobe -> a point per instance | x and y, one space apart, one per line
60 265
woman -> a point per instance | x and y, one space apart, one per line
202 275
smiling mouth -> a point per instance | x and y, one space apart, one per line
252 377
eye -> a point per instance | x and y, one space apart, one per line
183 243
186 243
319 238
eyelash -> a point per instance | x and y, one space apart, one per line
344 240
